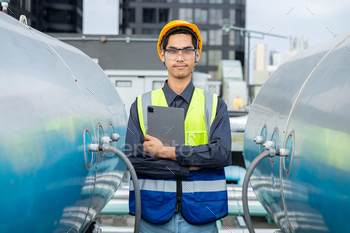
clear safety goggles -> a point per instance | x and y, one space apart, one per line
186 53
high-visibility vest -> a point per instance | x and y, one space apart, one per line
204 193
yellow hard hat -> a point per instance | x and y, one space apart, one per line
178 24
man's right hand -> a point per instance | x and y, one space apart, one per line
193 168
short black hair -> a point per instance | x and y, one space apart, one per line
180 31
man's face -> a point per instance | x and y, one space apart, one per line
180 67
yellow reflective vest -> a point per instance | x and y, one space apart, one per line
204 193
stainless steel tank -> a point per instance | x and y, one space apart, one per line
305 106
54 100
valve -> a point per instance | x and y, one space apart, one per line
269 144
283 152
259 139
105 140
280 152
116 137
92 147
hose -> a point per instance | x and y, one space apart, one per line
135 182
250 170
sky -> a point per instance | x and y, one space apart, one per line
310 17
101 18
317 19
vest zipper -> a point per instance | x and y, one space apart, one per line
178 203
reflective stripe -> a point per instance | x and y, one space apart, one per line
213 111
207 111
203 186
195 127
187 186
146 100
211 100
140 114
155 185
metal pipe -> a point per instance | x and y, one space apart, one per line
250 170
134 180
263 33
247 73
126 39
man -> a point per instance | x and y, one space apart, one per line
183 188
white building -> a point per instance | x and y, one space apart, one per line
298 43
260 57
260 72
275 58
274 62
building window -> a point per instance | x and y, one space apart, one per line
164 15
186 14
29 21
28 6
204 35
149 15
241 2
123 83
240 18
203 60
231 37
201 1
214 57
200 16
233 16
130 15
215 37
185 1
215 1
215 16
232 55
149 31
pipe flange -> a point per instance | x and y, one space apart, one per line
100 133
86 142
263 134
288 159
274 138
110 134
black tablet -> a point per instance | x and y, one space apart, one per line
166 124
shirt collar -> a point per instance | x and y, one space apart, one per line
170 95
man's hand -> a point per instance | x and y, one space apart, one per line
153 146
193 168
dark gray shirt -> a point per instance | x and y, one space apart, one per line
215 154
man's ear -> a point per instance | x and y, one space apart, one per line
198 55
162 55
